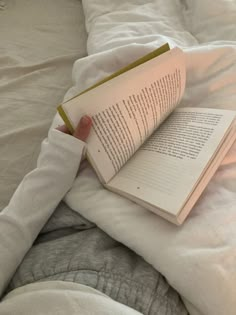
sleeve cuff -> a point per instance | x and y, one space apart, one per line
61 144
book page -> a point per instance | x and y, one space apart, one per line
207 175
126 110
165 170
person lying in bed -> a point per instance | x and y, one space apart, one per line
21 221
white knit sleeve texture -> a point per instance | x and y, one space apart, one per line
36 198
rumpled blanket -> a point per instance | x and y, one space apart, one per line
199 258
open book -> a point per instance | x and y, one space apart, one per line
141 146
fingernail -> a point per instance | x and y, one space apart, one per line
85 121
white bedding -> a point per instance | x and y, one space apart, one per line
199 258
39 42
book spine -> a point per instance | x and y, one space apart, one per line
65 118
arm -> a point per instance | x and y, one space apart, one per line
37 197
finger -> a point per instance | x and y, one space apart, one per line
63 128
83 129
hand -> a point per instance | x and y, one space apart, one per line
82 130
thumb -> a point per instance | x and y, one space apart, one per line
83 129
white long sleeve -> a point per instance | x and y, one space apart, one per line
36 198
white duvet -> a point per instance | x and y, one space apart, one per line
199 258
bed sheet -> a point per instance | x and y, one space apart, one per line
39 42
